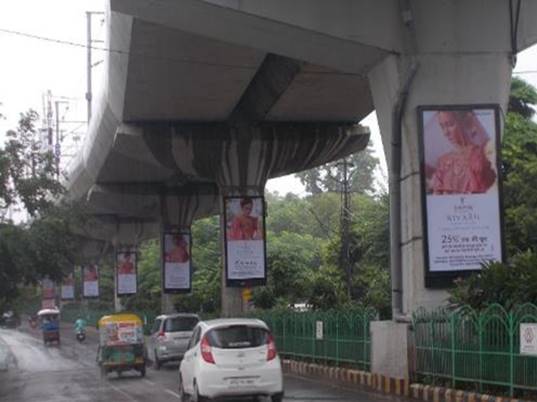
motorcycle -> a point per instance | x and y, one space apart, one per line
80 335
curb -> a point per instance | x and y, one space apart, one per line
388 385
377 382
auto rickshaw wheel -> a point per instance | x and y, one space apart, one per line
142 371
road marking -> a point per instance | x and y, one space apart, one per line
169 391
122 392
149 382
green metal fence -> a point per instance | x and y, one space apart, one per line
340 338
476 350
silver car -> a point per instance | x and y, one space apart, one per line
170 336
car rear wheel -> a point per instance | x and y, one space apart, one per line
277 397
182 395
197 395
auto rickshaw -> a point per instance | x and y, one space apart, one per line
50 325
121 344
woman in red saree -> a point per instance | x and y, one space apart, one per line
466 169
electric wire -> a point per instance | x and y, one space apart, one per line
123 52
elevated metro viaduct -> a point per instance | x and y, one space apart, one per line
205 98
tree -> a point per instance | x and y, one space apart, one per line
28 172
329 177
519 154
44 246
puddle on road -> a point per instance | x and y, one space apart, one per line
29 354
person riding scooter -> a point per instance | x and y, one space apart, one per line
80 329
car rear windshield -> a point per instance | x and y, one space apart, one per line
237 336
178 324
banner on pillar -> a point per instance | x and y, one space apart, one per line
90 280
48 290
461 201
68 286
245 248
177 264
126 271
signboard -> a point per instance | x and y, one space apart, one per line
121 333
90 280
126 272
48 290
68 287
245 248
461 201
177 264
528 339
319 330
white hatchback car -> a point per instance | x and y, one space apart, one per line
230 358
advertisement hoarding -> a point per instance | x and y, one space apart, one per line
68 287
461 201
176 261
245 248
90 280
126 271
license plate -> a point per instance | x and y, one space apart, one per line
241 382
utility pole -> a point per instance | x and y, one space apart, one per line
345 223
57 147
89 66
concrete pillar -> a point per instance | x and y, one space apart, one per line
178 211
439 80
443 63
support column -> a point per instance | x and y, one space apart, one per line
438 80
179 211
231 297
432 71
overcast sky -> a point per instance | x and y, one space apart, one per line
30 67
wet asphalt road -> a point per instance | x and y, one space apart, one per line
69 373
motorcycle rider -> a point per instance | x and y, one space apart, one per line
80 326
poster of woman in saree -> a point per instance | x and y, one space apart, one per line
460 151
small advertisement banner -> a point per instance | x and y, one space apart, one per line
90 280
176 261
68 287
528 339
48 290
245 241
126 271
121 333
460 190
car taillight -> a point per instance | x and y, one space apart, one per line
161 336
206 352
271 351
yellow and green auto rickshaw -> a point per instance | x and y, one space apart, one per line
121 344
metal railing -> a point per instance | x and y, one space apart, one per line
334 337
476 350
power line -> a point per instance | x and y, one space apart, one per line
525 72
122 52
151 57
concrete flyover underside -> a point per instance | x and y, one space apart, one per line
208 97
184 114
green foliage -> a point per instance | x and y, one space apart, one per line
520 182
523 96
329 177
505 284
26 172
44 246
